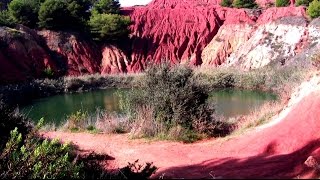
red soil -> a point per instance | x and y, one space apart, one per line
278 151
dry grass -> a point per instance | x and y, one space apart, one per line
112 123
144 124
263 114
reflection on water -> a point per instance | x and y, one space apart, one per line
57 108
229 103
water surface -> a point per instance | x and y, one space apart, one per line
229 103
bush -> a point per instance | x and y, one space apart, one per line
5 19
282 3
226 3
314 9
48 72
303 2
77 121
108 26
60 14
36 158
106 7
24 11
244 4
9 120
176 100
26 155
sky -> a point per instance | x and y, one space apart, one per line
125 3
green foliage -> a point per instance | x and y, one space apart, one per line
106 7
77 120
244 4
314 9
36 158
5 19
48 72
282 3
24 11
177 100
226 3
54 14
108 26
303 2
10 120
61 14
79 9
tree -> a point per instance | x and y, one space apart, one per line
5 19
226 3
244 4
108 26
24 11
64 14
107 6
303 2
282 3
54 14
314 9
79 9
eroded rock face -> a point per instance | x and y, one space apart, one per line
21 55
272 42
74 55
114 60
27 54
199 33
176 35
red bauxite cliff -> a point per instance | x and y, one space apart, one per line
196 32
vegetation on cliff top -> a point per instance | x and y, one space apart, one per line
314 9
101 18
282 3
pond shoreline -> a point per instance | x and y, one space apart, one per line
22 93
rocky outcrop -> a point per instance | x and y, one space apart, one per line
177 35
272 42
187 32
21 55
74 55
198 33
27 54
114 60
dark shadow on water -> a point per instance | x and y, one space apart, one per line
265 165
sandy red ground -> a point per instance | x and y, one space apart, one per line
278 151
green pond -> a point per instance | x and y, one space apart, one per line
55 109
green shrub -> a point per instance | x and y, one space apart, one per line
303 2
25 155
24 11
108 26
175 99
106 7
77 120
61 14
9 119
314 9
80 9
5 19
244 4
48 72
226 3
36 158
282 3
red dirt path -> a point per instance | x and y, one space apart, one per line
278 151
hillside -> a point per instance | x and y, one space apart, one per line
201 34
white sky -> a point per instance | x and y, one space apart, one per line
125 3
